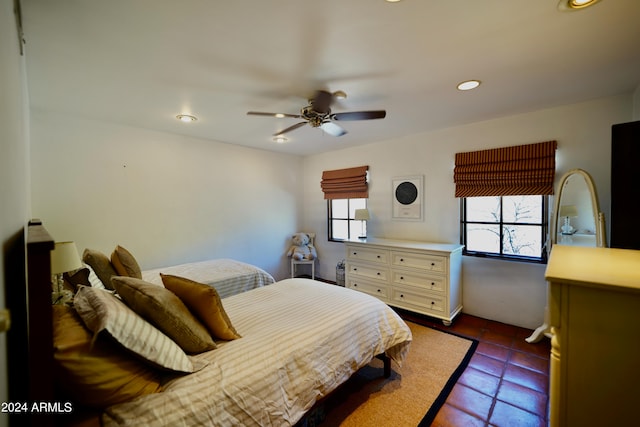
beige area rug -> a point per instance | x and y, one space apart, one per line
411 396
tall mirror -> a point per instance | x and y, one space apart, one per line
577 219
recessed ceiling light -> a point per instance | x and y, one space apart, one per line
392 1
186 118
575 4
279 115
468 84
280 139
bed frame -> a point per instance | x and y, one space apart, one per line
40 386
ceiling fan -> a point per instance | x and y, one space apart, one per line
318 114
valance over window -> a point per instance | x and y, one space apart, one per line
519 170
348 183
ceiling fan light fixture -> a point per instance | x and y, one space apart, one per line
280 139
339 94
187 118
468 84
573 5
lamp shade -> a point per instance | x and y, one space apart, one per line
362 214
568 210
64 257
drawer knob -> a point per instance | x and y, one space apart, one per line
401 259
355 285
355 269
433 283
378 273
378 256
401 295
433 302
433 263
379 290
355 253
401 277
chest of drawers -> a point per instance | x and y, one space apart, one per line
416 276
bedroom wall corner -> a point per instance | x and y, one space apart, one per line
14 172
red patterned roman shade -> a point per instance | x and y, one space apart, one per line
348 183
520 170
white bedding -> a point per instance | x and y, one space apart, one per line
228 276
300 340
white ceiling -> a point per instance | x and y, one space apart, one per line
142 62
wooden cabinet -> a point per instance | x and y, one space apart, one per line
594 303
625 186
416 276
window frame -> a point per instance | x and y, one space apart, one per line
350 221
544 225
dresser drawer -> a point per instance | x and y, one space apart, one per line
421 261
424 282
380 256
378 290
370 271
420 301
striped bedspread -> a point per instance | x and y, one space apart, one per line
300 340
228 276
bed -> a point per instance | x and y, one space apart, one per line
228 276
300 339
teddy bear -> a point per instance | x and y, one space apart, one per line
301 248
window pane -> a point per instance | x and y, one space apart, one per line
524 240
483 238
484 209
339 208
340 229
522 209
356 204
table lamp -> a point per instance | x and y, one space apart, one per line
64 258
568 211
362 215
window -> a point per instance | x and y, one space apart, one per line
506 227
342 222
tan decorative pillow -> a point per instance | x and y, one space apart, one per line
204 301
125 263
101 311
164 309
101 265
97 375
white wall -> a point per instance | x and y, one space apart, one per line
14 170
167 198
509 292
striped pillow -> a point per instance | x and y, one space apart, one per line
94 280
100 310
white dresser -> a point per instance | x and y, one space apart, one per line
417 276
594 308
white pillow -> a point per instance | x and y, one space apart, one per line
102 311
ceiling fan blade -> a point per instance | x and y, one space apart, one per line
332 129
322 101
290 128
360 115
259 113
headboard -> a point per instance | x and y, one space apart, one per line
39 330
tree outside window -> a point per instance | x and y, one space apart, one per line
510 227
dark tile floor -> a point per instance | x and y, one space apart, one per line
506 382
